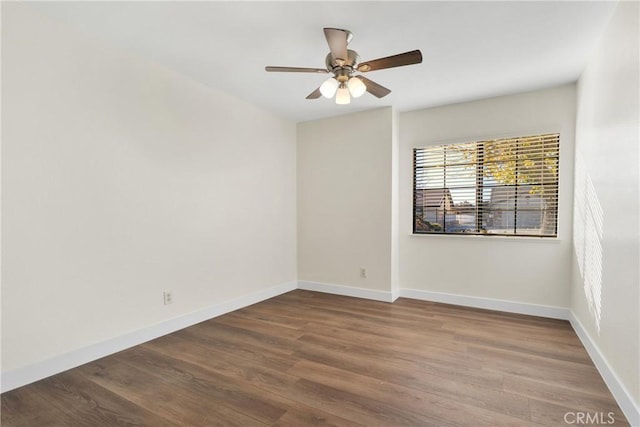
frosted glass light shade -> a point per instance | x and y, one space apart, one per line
328 87
342 95
356 87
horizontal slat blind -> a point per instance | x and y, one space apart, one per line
503 186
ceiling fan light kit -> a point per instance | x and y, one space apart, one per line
329 87
342 95
356 87
343 92
343 63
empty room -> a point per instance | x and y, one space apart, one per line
292 213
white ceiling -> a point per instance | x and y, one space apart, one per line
471 50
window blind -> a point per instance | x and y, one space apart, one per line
503 186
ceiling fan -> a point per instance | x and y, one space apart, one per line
343 63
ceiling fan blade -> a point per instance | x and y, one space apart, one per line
295 70
407 58
374 88
337 40
315 94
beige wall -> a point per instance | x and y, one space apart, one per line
121 179
527 270
344 200
606 280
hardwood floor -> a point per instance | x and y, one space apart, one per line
306 358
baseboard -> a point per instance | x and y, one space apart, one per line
22 376
488 303
28 374
619 391
348 291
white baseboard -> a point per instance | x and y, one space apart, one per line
28 374
37 371
348 291
620 393
488 303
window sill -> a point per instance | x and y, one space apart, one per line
493 237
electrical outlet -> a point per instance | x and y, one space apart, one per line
363 273
168 297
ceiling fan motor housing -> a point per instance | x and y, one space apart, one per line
342 69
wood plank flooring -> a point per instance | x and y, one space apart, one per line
306 358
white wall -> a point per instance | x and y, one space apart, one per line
395 205
344 200
606 281
121 179
525 270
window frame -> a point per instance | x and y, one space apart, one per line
480 230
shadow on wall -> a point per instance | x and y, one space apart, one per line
587 238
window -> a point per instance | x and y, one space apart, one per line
495 187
